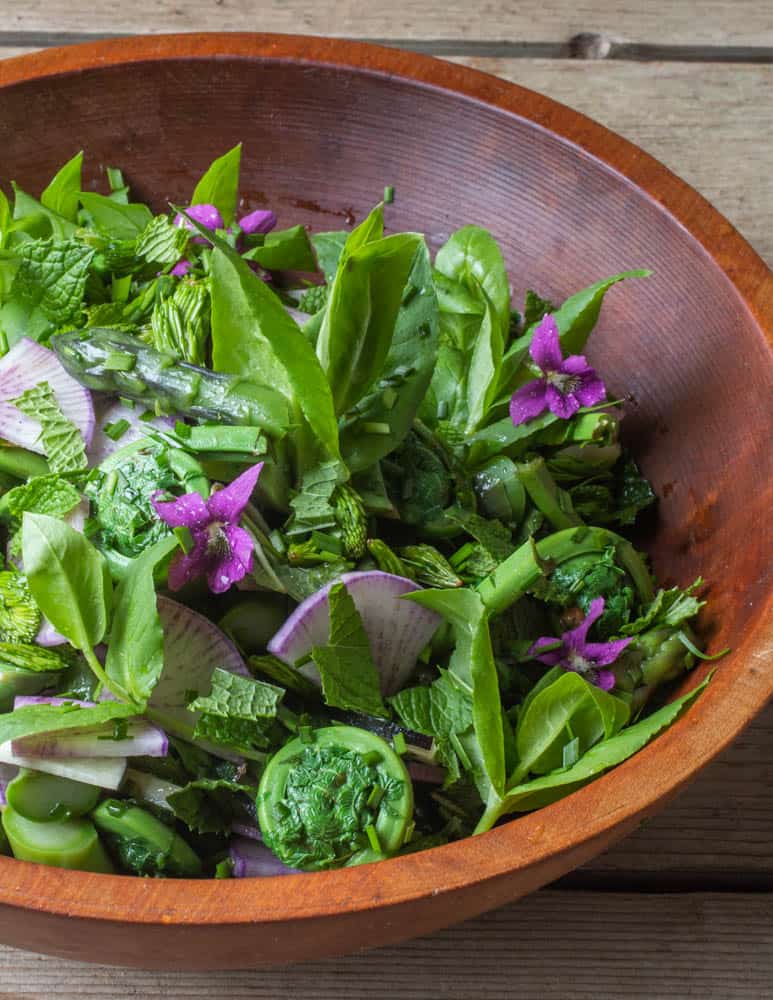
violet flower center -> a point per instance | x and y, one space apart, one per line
565 383
218 545
578 663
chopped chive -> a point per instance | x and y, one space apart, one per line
375 427
184 537
389 194
224 868
111 481
114 178
327 543
128 403
442 409
398 742
119 361
371 757
571 752
305 734
375 797
372 836
116 430
277 541
182 430
389 398
133 384
147 415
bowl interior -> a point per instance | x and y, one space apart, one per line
320 143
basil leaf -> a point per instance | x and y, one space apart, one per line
63 193
251 331
397 394
285 250
220 184
472 257
33 719
135 652
68 577
350 679
359 320
122 222
609 753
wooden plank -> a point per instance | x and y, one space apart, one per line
555 946
704 22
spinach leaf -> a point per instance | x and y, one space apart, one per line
284 250
122 222
446 398
63 193
37 220
349 676
220 184
394 400
69 579
359 320
472 667
568 708
609 753
62 442
483 372
135 652
328 248
252 332
33 719
47 289
472 257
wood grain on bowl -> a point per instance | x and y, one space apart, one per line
326 125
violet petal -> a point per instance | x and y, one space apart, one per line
576 637
605 679
228 504
545 347
187 566
591 390
528 402
236 565
604 653
181 268
206 215
550 658
187 511
563 406
262 220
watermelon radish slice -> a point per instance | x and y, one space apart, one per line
142 739
25 366
251 859
397 630
104 772
193 649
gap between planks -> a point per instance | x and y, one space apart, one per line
552 946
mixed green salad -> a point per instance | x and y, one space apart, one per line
313 548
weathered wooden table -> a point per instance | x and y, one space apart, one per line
685 906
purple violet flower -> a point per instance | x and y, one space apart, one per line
566 383
262 220
577 654
206 215
181 268
221 550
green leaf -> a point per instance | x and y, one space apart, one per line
472 666
68 577
252 332
413 709
29 656
220 184
401 385
472 257
328 247
483 372
34 218
569 707
609 753
135 652
350 679
577 316
122 222
238 697
285 250
312 506
33 719
62 442
359 321
47 289
210 805
668 609
50 494
535 308
63 193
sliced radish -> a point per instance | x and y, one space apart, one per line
23 700
142 739
193 649
111 411
247 830
105 772
7 773
147 787
252 860
397 630
26 365
429 774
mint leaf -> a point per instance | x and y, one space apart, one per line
238 697
48 288
50 494
349 676
312 507
62 441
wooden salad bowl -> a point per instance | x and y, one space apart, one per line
326 125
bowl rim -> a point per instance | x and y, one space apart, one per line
614 803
